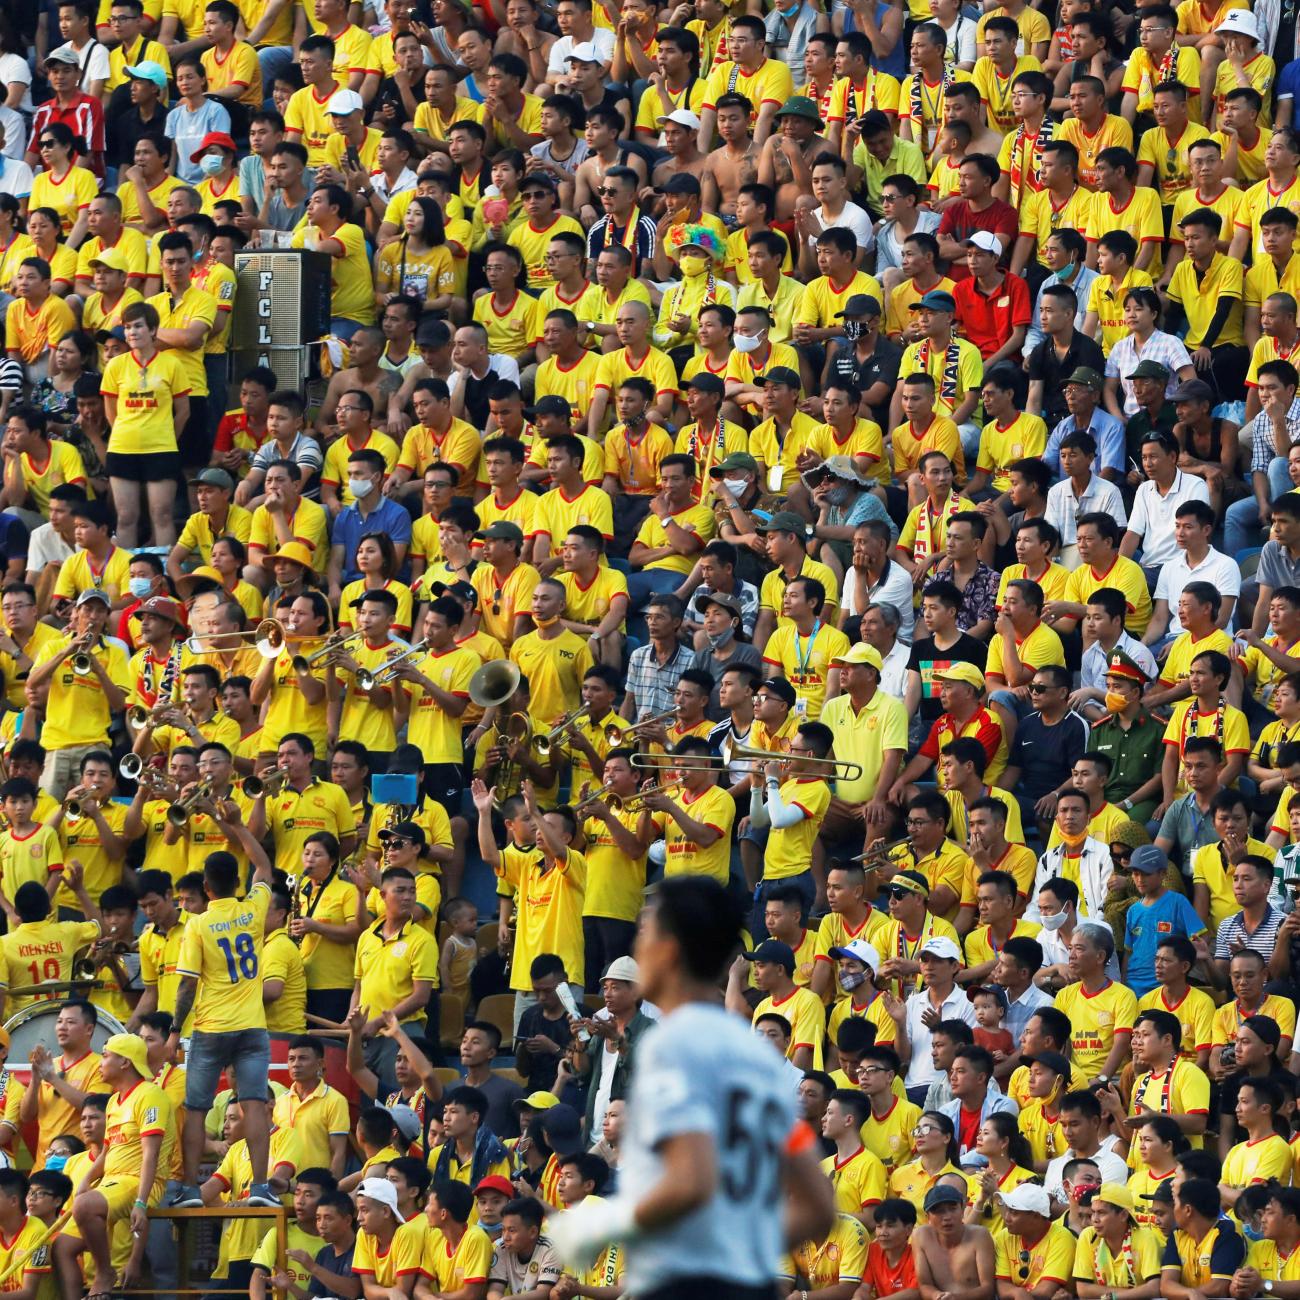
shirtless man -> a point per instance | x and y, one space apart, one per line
365 373
954 1260
733 163
962 103
785 163
604 127
680 129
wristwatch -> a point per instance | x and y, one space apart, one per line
1268 1288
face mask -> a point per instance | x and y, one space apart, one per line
1079 1190
545 622
1073 841
55 1162
141 587
736 486
211 163
1052 923
359 487
852 330
717 642
1115 702
840 495
852 980
747 342
693 264
1251 1234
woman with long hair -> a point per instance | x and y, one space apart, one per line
73 356
377 560
935 1139
229 558
326 922
45 234
1010 1163
417 264
1158 1143
61 184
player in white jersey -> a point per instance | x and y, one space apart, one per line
711 1140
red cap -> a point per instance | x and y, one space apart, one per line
213 137
495 1183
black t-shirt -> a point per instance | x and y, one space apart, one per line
1045 365
927 657
881 367
542 1068
1046 755
331 1262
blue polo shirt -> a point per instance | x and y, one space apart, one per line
350 527
1146 925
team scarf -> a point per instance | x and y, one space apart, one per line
710 295
951 369
916 108
1043 138
1125 1253
696 444
1168 69
926 526
1193 713
628 239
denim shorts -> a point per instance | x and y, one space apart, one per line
247 1051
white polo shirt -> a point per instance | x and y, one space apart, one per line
1219 570
1153 516
1063 508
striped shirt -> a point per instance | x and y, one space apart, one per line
1260 432
1233 934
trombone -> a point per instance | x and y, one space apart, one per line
269 638
270 785
388 670
333 644
544 744
182 810
851 771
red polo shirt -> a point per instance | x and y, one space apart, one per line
986 320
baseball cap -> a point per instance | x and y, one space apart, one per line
962 672
148 70
1054 1061
1193 390
1149 859
113 258
1116 1194
297 552
722 598
407 1121
734 460
781 688
773 950
93 593
1164 1193
782 375
986 240
502 531
992 990
935 300
682 183
785 521
1030 1198
563 1128
860 653
1087 377
862 304
1150 370
495 1183
859 950
407 830
944 1194
214 477
552 404
218 138
940 945
163 607
624 969
132 1047
535 180
539 1100
1241 21
682 117
800 106
381 1190
64 54
461 589
117 332
343 102
584 52
704 382
1265 1028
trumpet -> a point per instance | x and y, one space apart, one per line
594 798
270 785
76 809
851 771
388 670
83 661
880 852
635 731
139 716
333 644
182 810
636 802
544 744
269 638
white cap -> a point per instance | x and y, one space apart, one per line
1241 21
859 950
585 52
1031 1198
986 240
381 1190
683 117
940 945
343 102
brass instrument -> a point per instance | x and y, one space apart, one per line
139 716
83 661
75 809
269 638
387 672
678 762
295 905
851 771
544 744
494 683
517 729
633 732
333 644
182 810
880 852
270 785
636 802
603 793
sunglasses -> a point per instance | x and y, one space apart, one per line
48 144
924 1130
1037 688
609 193
900 891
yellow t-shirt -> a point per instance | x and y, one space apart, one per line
789 848
76 711
511 330
1140 217
772 592
548 910
222 949
1050 1259
931 360
1257 1162
144 424
1096 1019
714 808
805 662
1142 75
437 733
1137 1262
995 89
1124 575
807 1017
292 816
555 669
352 294
1200 298
859 1181
307 122
33 333
42 952
68 197
388 967
1229 1017
1195 1013
824 300
1041 646
1026 435
696 519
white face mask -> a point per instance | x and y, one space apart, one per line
359 487
1053 922
747 342
736 486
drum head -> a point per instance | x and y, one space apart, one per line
35 1024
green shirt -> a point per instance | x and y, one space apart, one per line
904 157
1136 755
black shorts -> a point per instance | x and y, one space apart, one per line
444 783
147 467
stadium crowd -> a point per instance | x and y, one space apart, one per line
848 453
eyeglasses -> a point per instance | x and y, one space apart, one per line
870 1069
345 410
915 823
